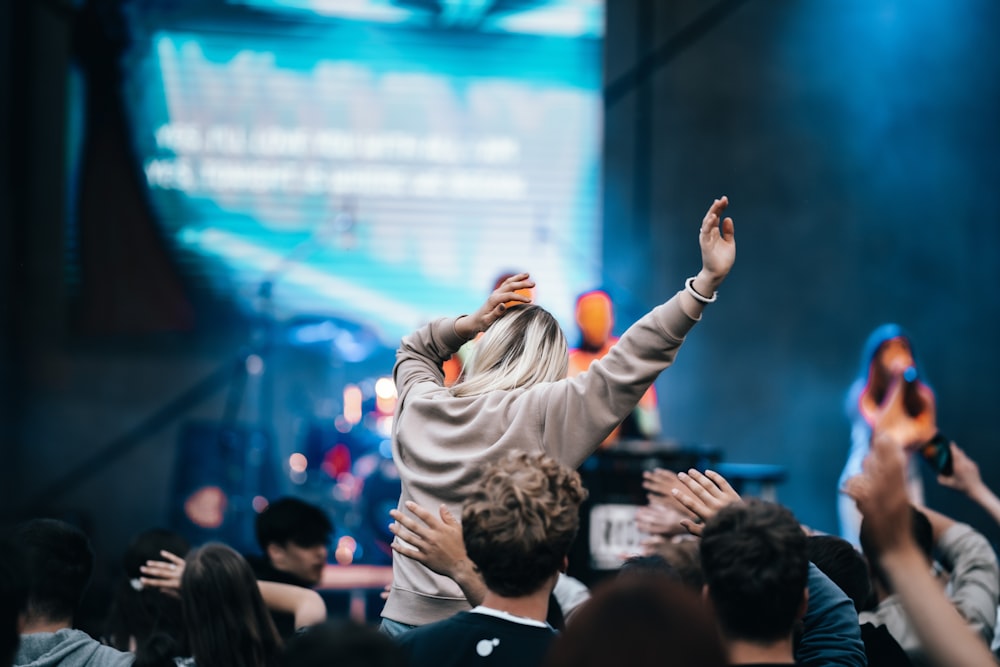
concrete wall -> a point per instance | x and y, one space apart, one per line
857 141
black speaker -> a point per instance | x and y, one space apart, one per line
613 478
223 475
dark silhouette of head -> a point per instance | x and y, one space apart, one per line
641 621
844 565
342 643
13 597
755 564
145 614
681 559
59 564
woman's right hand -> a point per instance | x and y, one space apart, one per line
496 305
718 248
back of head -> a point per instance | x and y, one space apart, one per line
139 612
13 597
520 520
342 643
292 520
641 622
923 534
523 348
59 564
754 560
840 561
225 618
681 559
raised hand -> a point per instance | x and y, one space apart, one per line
894 420
965 476
164 574
880 492
660 484
704 494
511 292
718 248
660 520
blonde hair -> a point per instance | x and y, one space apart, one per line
523 348
519 521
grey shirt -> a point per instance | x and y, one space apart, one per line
974 590
67 648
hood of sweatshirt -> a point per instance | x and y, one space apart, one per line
67 648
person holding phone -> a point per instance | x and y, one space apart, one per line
888 353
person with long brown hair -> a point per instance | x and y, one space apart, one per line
888 353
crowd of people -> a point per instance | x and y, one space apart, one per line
490 507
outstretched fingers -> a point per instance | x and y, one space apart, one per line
713 217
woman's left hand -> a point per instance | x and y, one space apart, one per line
510 292
164 574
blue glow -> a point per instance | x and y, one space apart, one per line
563 18
369 171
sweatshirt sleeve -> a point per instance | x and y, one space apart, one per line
577 414
975 578
421 354
831 634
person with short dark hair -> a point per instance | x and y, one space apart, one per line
59 563
756 569
838 559
294 539
518 525
293 536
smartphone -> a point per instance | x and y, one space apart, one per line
937 454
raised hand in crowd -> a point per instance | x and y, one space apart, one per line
662 520
164 574
965 478
704 495
304 604
510 290
880 492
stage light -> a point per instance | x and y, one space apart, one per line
254 364
352 403
298 462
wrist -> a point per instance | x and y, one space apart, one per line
465 327
706 283
901 558
700 291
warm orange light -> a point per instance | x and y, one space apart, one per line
352 403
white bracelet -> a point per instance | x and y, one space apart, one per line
689 288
